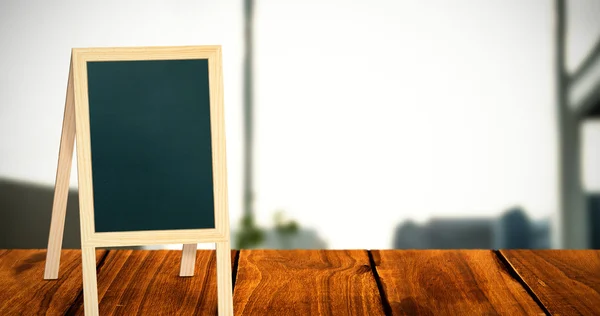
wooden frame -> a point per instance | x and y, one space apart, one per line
76 123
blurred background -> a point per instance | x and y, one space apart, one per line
366 124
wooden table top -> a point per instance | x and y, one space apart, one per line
313 282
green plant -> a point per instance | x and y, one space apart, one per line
249 235
283 226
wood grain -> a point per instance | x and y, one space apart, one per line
218 143
135 282
224 279
61 186
155 237
149 52
305 282
84 151
90 282
450 282
567 282
25 292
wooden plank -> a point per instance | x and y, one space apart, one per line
25 292
61 186
566 282
188 258
147 282
224 278
450 282
155 237
305 282
90 282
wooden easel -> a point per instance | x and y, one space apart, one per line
76 117
61 194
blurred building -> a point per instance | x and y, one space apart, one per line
410 235
470 233
25 210
512 230
540 234
302 239
446 233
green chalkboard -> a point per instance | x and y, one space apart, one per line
150 139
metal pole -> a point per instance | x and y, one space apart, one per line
248 110
572 229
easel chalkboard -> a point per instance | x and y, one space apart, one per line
151 159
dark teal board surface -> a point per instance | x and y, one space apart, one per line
151 145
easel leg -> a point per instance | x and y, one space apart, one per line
188 260
61 188
90 284
224 288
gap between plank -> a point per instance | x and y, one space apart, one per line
513 273
236 261
79 299
234 272
387 308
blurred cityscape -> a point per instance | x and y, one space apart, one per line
577 224
373 124
512 230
